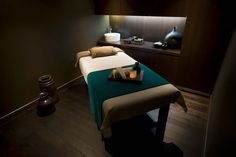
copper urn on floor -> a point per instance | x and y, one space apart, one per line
45 106
48 96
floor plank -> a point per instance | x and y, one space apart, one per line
71 130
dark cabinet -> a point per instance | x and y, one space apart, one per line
141 7
153 7
164 65
107 7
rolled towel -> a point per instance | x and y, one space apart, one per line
116 49
80 55
103 51
100 51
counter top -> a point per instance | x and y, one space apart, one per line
146 46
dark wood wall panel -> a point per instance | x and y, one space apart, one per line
204 45
107 7
153 7
141 7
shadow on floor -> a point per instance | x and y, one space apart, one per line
134 138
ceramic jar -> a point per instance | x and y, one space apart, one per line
173 39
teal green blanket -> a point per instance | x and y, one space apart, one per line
101 89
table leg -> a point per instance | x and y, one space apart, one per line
161 124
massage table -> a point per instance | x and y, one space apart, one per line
154 101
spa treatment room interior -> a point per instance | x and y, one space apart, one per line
117 78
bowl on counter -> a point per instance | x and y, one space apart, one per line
159 44
112 37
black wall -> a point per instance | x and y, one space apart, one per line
42 37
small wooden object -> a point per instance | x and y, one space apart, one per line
131 75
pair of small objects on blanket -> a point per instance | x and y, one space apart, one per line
130 73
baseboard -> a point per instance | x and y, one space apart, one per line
193 91
69 83
33 103
12 115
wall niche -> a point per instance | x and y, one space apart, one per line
150 28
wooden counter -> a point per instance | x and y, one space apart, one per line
147 47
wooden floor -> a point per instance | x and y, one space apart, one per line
71 131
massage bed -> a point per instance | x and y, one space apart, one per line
154 101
